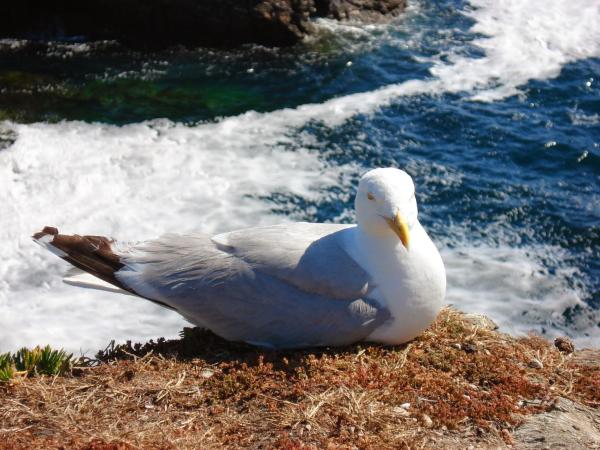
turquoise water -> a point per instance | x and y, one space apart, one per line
511 176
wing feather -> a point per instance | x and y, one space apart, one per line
309 256
286 286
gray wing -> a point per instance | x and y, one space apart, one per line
307 255
283 286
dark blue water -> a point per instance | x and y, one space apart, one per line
520 172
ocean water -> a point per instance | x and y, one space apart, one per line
493 108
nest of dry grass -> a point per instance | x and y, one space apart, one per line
460 382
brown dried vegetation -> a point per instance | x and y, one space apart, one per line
457 383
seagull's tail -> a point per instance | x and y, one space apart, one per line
91 254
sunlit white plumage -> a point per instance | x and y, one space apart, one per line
411 282
286 286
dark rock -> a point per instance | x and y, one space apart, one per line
564 344
7 136
469 347
535 364
363 10
160 23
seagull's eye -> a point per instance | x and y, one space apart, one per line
370 196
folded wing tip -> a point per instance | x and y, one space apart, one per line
45 238
46 232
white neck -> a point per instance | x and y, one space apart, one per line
410 284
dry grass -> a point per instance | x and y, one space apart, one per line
464 384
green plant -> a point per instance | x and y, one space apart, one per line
53 362
26 360
7 367
37 361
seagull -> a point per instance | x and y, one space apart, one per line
284 286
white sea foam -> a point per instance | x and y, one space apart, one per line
515 287
580 119
138 181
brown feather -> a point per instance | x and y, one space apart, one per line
92 254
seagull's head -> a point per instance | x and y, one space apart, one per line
385 203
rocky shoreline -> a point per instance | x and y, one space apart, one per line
461 384
161 23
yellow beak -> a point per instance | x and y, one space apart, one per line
400 227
